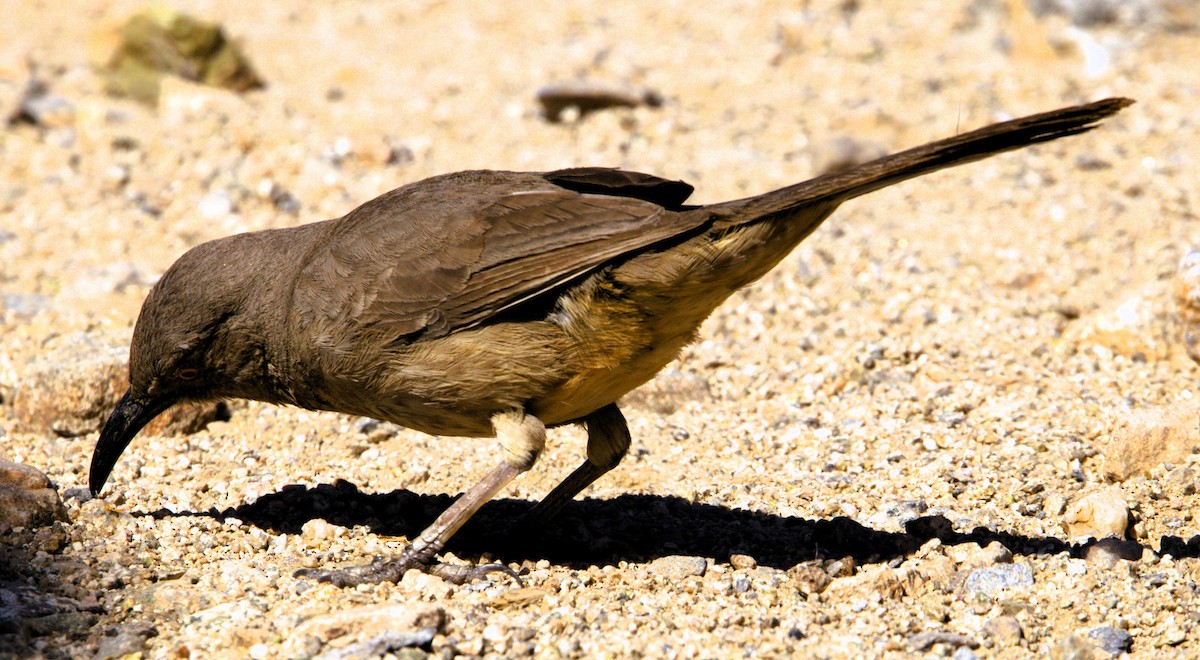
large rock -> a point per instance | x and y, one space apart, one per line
160 42
1149 437
996 578
27 498
71 386
366 631
1140 326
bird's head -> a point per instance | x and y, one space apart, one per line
196 339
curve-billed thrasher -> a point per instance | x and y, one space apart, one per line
488 304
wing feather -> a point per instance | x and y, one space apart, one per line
454 251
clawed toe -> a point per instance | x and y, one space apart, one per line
392 570
462 574
379 570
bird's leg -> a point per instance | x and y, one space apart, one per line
522 438
608 442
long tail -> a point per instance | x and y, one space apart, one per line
837 187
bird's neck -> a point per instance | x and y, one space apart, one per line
262 352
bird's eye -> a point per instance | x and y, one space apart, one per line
187 373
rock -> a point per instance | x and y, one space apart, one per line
1140 325
587 97
1054 504
926 641
517 597
1183 479
1113 641
72 386
219 616
1102 514
1073 647
739 561
1187 301
366 631
125 641
38 106
677 567
494 634
169 598
1005 630
280 198
1177 547
25 609
938 572
879 582
1174 635
929 527
317 532
970 555
1171 15
27 497
160 42
995 578
1107 552
1150 437
388 642
898 513
810 578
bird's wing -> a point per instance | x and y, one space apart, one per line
622 183
454 251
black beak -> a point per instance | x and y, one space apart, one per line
126 420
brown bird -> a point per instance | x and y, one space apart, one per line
487 304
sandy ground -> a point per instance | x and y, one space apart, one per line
871 452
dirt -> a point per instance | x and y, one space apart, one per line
872 452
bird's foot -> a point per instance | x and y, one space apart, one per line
392 570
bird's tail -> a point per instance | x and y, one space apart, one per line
837 187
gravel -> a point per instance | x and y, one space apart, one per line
884 448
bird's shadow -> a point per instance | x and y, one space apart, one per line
632 528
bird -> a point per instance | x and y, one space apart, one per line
490 304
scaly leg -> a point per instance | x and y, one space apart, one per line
522 438
608 442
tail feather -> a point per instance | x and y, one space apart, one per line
837 187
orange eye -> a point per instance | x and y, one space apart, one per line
188 373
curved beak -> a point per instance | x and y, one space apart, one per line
130 415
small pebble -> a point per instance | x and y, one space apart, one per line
316 531
586 97
742 561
